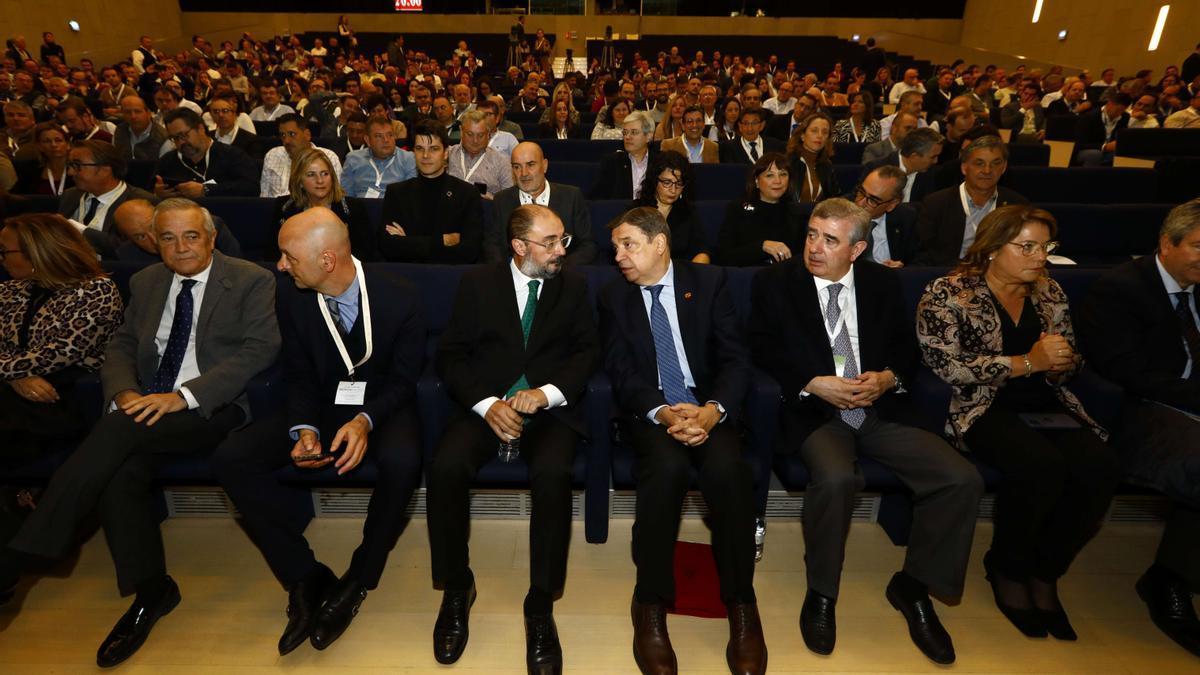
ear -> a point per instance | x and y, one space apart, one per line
857 250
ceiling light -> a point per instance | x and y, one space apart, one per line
1037 10
1158 27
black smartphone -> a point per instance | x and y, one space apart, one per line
482 187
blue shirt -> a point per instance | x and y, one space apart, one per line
362 171
666 297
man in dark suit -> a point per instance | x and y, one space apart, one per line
196 329
134 220
893 238
566 201
621 172
200 167
780 127
97 169
937 98
513 381
1096 132
833 329
680 369
948 218
224 111
435 217
1138 328
917 155
353 350
752 144
903 124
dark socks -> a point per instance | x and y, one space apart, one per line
151 590
538 602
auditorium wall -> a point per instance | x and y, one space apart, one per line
109 29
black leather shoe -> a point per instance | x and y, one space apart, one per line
451 630
543 653
341 606
304 603
1028 620
134 626
1170 604
818 625
924 627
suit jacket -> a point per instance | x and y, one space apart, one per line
237 336
709 153
105 239
925 182
878 150
313 367
233 172
1130 333
901 226
732 152
779 127
147 149
1012 117
712 341
460 209
615 179
1090 132
249 144
789 340
482 352
935 104
565 200
942 223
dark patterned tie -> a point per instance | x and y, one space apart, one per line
754 151
93 204
1191 335
841 347
526 325
332 304
669 371
181 330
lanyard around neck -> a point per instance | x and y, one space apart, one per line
365 303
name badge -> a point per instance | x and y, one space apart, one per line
372 193
839 365
351 393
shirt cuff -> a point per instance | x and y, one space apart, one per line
554 396
191 400
652 416
294 432
483 406
370 422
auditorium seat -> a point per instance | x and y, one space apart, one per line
580 174
848 153
1088 185
250 219
1157 143
577 150
1028 154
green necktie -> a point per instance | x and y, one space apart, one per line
526 325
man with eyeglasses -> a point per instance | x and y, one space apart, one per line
621 172
277 165
528 167
780 127
750 144
228 126
693 145
893 238
474 161
370 170
948 218
199 167
512 380
139 136
97 169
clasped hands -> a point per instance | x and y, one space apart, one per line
504 417
845 393
306 453
688 423
149 408
448 239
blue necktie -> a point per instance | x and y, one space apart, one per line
841 347
669 370
181 330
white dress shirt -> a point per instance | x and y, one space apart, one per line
847 301
666 297
908 182
190 368
1173 287
639 171
106 201
521 285
758 148
542 199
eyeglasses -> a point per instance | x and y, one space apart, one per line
565 240
631 132
871 199
179 138
75 166
671 184
1029 248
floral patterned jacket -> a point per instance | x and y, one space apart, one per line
959 332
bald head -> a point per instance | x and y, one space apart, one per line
529 168
135 221
314 248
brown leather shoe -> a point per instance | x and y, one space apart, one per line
747 650
651 645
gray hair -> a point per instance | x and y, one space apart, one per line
985 143
473 116
920 142
181 204
1181 221
643 119
846 211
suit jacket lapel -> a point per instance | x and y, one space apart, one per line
639 323
808 308
216 287
509 310
685 285
864 304
551 291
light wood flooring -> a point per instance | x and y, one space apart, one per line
232 610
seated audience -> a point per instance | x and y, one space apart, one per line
138 135
692 144
671 125
98 171
317 185
911 82
1143 113
560 125
474 162
904 123
750 145
611 120
201 168
668 187
1096 131
810 151
764 226
860 126
784 101
937 100
1187 118
224 112
1072 102
917 155
998 330
893 238
949 217
781 127
958 123
830 95
370 170
16 138
911 104
528 166
435 217
1025 116
725 129
49 174
270 109
134 219
78 120
1138 329
277 165
621 172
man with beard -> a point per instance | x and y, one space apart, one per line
529 166
516 386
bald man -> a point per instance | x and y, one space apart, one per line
531 187
355 347
134 219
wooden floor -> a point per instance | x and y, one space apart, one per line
232 610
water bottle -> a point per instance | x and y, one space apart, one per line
509 450
760 537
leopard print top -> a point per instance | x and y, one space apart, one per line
72 328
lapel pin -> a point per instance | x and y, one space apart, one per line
687 295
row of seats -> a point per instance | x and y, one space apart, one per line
604 460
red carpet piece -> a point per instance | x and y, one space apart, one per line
697 590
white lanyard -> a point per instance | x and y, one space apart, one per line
203 176
365 302
378 171
562 134
273 113
813 191
857 138
841 322
966 201
57 190
462 161
92 133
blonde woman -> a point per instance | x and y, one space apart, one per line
313 182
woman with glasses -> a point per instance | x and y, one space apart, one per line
49 176
313 182
668 187
764 226
57 313
998 331
609 122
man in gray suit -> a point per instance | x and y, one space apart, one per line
197 328
97 169
904 123
566 201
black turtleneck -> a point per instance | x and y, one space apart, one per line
430 191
